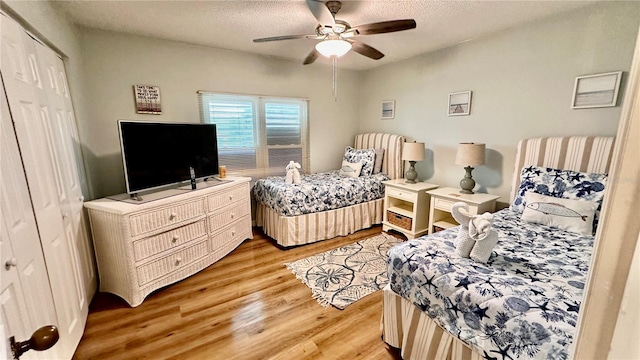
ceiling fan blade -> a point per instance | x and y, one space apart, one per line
313 55
385 27
321 12
285 37
366 50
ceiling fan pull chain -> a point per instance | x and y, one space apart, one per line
335 78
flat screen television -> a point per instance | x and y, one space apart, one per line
158 154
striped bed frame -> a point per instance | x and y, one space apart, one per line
406 327
309 228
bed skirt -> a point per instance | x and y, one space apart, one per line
406 327
309 228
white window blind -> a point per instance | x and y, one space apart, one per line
257 136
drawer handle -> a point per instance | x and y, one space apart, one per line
178 261
230 197
233 215
233 233
173 216
175 238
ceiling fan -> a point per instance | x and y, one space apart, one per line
337 35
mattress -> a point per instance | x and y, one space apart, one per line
318 192
523 303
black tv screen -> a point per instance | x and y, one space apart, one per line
159 154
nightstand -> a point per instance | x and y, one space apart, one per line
443 198
406 207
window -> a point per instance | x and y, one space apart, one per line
257 136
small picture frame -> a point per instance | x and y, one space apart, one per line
594 91
147 99
459 103
388 109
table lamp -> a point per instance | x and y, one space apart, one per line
469 154
412 152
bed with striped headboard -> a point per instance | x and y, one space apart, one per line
291 230
524 302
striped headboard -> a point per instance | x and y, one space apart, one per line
392 163
590 154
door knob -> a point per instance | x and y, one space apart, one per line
42 339
81 198
11 262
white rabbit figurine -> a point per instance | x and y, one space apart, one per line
293 175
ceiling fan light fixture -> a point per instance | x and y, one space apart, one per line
333 47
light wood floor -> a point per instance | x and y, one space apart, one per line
246 306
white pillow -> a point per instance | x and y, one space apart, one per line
350 169
566 214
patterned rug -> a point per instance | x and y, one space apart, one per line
344 275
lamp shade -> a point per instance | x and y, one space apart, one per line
413 151
470 154
333 47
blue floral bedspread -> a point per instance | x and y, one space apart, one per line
318 192
523 303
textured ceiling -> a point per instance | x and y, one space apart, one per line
233 24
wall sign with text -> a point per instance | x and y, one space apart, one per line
147 99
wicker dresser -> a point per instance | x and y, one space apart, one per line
143 247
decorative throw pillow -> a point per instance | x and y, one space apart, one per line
571 215
564 184
364 156
377 165
350 169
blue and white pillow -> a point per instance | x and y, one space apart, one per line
564 184
365 156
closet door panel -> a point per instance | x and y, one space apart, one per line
46 161
69 131
67 161
27 302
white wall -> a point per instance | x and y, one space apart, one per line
115 62
522 81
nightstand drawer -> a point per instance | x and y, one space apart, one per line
442 204
401 194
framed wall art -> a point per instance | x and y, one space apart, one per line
147 99
388 109
599 90
459 103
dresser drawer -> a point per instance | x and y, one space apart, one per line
239 229
146 247
229 196
159 218
401 194
230 214
443 204
170 263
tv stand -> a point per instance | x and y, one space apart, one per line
142 247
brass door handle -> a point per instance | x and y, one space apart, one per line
42 339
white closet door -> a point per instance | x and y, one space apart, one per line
44 164
26 299
69 163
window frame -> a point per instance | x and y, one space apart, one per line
261 145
